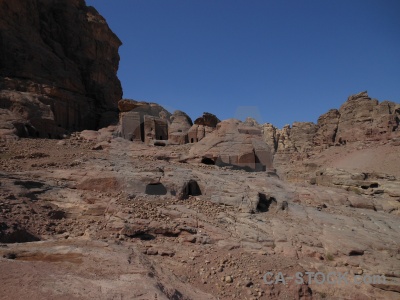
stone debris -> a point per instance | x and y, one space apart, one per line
145 204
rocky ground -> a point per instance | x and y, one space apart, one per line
94 217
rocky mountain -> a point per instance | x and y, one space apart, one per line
58 65
160 207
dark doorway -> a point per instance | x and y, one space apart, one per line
155 189
264 202
207 161
192 188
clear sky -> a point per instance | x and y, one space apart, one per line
279 61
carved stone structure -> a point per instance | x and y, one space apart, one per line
150 122
131 125
198 132
202 126
237 144
143 121
155 129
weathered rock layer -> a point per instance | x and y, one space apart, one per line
359 119
58 68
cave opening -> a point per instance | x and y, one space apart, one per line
156 189
265 202
192 188
160 143
207 161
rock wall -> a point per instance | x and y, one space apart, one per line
58 65
363 118
327 128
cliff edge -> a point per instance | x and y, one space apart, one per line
58 66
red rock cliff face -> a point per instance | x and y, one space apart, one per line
359 119
58 65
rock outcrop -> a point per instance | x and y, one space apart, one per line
359 119
202 126
142 121
269 132
237 144
363 118
179 128
143 107
362 183
327 128
95 216
123 223
207 119
58 65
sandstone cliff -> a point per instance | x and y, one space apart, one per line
58 65
359 120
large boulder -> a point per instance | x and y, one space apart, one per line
58 62
207 119
179 128
144 108
237 144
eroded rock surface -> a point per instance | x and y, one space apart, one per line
59 61
179 128
142 121
150 227
97 216
236 144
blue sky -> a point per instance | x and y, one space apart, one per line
278 61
